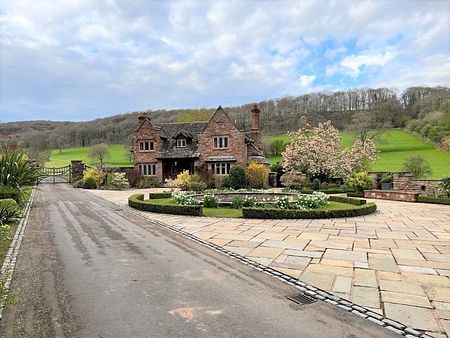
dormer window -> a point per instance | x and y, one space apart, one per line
146 145
181 143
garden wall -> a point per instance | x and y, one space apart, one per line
407 182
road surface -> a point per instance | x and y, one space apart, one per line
87 268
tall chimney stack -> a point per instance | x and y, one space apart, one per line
255 132
142 116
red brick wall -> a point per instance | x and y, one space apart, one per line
221 125
147 132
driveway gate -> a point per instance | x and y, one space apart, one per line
56 175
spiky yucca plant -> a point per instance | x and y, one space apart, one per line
16 170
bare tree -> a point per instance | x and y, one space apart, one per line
99 151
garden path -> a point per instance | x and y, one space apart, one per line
395 262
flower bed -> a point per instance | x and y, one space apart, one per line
255 205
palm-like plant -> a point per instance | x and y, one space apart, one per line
16 170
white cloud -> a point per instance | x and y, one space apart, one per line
113 56
307 80
355 62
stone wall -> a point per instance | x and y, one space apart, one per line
393 195
221 125
147 132
77 168
407 182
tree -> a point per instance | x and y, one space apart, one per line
417 165
318 153
99 152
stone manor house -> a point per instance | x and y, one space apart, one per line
164 151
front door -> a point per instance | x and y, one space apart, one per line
172 167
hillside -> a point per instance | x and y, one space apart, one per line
394 147
347 110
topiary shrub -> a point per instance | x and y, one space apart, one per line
236 177
209 201
7 191
315 184
137 202
268 213
89 183
257 175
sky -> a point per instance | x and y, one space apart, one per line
78 60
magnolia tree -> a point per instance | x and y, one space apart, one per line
318 153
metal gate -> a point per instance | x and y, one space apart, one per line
55 174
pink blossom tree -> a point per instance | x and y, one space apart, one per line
317 152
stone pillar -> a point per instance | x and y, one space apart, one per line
76 170
273 179
255 132
403 181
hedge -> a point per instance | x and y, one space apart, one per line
262 213
159 195
355 194
348 200
137 202
434 200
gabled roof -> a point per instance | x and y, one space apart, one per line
173 129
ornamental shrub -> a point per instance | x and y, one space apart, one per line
185 181
236 202
210 201
360 181
96 174
118 181
16 170
236 177
147 182
293 180
7 191
315 184
8 210
257 175
89 183
134 177
417 165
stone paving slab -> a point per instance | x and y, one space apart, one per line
395 262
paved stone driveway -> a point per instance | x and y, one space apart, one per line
395 262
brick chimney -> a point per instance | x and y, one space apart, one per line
255 132
142 116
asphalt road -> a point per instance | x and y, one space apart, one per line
90 269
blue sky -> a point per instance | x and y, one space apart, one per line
78 60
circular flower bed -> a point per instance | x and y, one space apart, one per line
254 205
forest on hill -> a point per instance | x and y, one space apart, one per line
425 110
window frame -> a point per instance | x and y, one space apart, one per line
181 143
221 168
221 142
147 169
146 146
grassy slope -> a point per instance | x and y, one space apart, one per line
395 146
118 158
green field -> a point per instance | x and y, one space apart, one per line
395 146
119 156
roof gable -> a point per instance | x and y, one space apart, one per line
222 113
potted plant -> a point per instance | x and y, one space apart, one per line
386 181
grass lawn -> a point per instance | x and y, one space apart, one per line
395 146
119 157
